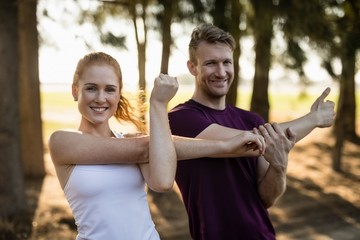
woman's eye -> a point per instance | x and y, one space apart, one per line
111 90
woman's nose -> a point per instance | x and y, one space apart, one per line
100 97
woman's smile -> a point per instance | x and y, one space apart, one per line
99 109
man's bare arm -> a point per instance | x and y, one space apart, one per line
321 115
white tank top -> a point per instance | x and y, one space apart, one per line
109 202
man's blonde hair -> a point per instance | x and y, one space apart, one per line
210 34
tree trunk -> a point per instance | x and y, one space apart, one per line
141 47
234 29
29 88
339 143
166 35
263 35
12 199
347 100
226 15
345 116
219 14
260 100
142 73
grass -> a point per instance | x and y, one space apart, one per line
58 108
56 101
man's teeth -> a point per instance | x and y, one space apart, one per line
218 80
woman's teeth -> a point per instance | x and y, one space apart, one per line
99 109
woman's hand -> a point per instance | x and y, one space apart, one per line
246 141
165 88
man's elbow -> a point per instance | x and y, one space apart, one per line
269 202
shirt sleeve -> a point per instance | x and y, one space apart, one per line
188 122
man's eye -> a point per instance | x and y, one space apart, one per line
91 89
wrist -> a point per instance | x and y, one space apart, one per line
158 106
157 102
278 168
313 118
223 146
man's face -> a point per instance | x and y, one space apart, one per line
214 71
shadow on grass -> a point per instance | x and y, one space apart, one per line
169 215
305 211
20 226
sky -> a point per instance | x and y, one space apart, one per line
64 45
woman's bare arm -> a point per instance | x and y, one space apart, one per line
73 147
159 173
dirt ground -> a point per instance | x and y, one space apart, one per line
319 203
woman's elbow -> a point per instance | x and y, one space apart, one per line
162 186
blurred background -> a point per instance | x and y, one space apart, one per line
287 53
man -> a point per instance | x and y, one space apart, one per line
227 197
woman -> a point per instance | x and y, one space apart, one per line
103 174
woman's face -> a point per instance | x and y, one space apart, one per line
98 94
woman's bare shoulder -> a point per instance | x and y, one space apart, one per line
60 140
59 136
64 132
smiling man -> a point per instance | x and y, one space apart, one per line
227 198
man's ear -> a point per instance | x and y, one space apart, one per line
192 68
74 91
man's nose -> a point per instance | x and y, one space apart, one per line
220 70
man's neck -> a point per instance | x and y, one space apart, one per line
215 103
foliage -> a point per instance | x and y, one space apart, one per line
111 39
303 23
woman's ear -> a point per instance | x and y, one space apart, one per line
192 68
74 91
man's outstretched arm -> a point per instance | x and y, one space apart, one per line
322 115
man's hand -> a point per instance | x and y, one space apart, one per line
278 144
324 110
272 165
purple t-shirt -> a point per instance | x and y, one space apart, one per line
220 195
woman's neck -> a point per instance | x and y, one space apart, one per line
101 130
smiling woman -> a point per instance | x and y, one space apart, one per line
91 188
